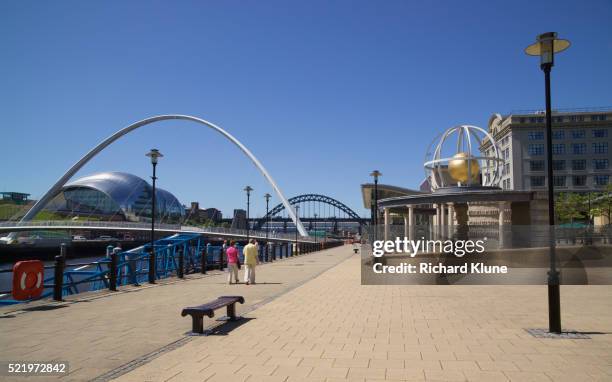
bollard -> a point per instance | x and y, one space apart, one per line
152 265
180 271
58 279
109 250
112 272
203 262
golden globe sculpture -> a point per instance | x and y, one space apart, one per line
459 165
463 157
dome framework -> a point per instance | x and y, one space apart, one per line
467 168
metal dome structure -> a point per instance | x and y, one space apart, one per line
467 167
112 195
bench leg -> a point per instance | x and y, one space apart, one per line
231 312
197 324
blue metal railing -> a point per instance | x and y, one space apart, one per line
132 266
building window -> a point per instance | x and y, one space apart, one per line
535 135
594 118
536 165
540 119
558 134
522 120
507 168
558 119
580 118
537 181
600 133
603 117
559 165
579 180
532 119
600 147
558 148
559 181
535 149
578 148
579 165
578 134
572 118
506 153
602 180
600 164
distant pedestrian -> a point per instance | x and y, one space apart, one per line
233 263
251 259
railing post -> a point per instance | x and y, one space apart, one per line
221 259
58 282
112 272
203 261
152 265
132 266
181 263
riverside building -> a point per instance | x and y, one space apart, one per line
581 141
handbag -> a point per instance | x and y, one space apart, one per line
238 262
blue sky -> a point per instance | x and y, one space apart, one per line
321 91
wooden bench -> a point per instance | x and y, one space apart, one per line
198 312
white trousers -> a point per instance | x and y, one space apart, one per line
249 273
232 270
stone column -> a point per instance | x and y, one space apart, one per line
406 226
387 222
436 221
451 218
410 222
442 228
504 218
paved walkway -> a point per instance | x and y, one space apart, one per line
333 329
102 331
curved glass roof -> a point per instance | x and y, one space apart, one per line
130 192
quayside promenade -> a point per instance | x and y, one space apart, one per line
101 331
333 329
319 324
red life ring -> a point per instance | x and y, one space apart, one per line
28 279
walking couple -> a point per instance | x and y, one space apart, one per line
251 259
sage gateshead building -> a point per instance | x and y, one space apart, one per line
115 196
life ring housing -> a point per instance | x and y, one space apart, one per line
28 277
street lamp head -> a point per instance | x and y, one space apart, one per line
376 174
267 196
154 154
546 45
248 189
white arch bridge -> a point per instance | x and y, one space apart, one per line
53 191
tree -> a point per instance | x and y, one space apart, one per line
603 203
570 206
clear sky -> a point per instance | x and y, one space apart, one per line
322 92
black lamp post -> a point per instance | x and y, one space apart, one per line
248 190
315 227
267 197
546 46
154 154
375 174
297 216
